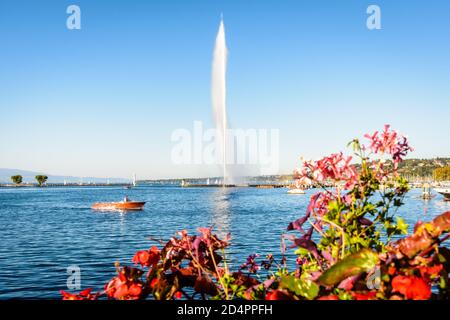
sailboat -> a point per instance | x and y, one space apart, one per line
133 184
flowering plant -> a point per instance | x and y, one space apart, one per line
345 248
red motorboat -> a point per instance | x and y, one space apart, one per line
123 205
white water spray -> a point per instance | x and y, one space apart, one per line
218 92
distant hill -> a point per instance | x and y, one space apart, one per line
28 176
417 169
410 168
421 168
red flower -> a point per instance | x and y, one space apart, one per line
135 290
178 295
277 295
154 282
392 271
427 272
330 297
411 287
83 295
122 289
86 292
141 257
70 296
147 258
117 284
364 296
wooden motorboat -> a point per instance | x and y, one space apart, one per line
128 205
296 191
445 192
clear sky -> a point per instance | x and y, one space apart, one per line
104 100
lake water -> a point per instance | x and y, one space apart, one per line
46 230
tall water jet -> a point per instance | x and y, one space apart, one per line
218 93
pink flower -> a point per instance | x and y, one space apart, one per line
206 232
319 203
335 167
389 142
251 265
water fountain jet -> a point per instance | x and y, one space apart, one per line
218 95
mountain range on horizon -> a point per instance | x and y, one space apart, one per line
29 177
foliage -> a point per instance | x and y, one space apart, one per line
344 244
17 179
442 174
421 168
41 179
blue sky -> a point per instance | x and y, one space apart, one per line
104 100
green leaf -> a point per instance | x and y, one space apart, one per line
357 263
343 295
301 287
333 206
301 252
402 226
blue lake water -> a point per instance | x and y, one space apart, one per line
46 230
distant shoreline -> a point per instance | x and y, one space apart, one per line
62 185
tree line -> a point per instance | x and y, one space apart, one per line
40 179
442 174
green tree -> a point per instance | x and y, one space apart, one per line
17 179
41 179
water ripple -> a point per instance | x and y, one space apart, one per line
46 230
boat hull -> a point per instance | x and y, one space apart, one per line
445 193
296 191
132 205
